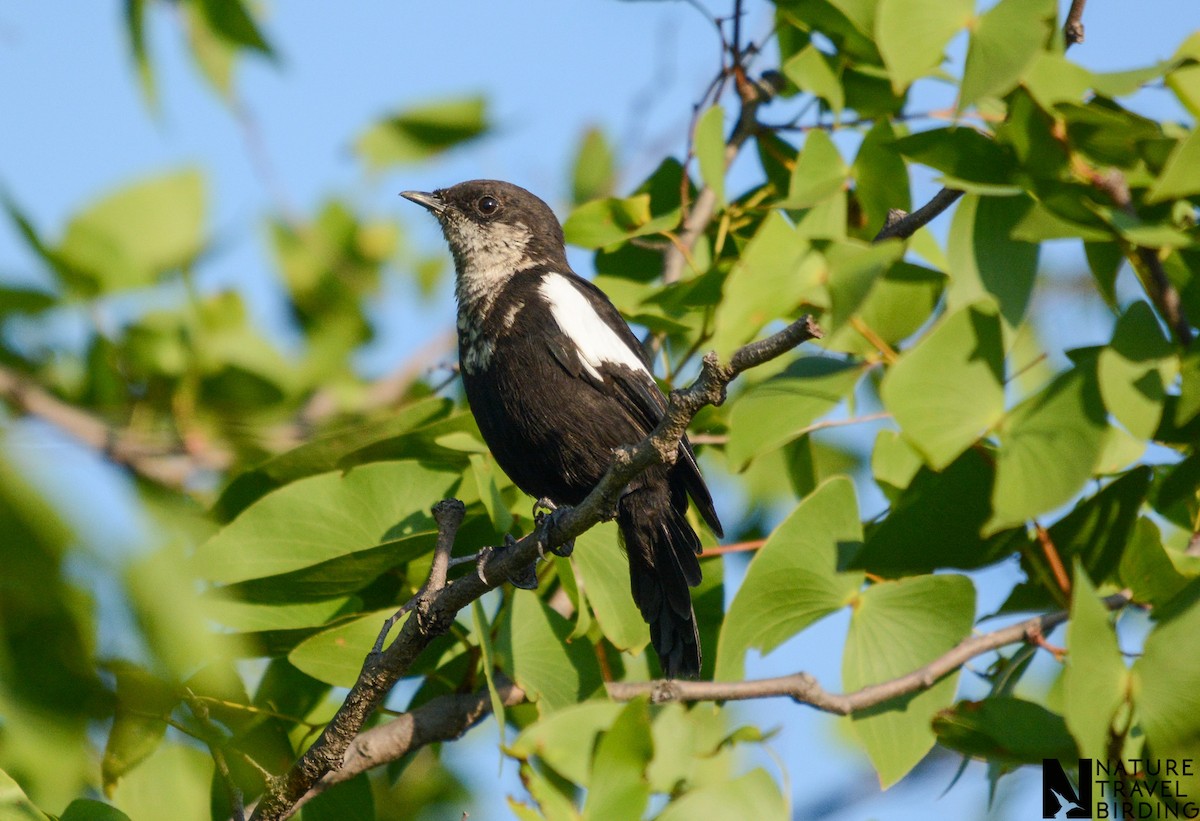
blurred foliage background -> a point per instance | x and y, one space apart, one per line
268 404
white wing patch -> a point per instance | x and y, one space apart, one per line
596 342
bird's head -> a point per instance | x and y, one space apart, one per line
494 229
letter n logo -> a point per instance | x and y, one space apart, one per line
1058 794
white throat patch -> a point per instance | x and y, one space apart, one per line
596 342
485 259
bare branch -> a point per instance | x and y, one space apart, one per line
903 225
1073 28
804 689
444 718
435 609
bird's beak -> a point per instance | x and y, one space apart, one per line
431 201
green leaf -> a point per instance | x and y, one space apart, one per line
486 473
1095 681
753 795
482 632
423 132
809 69
898 302
936 521
346 573
1166 684
854 270
135 27
14 804
881 177
603 222
604 573
233 22
765 283
172 783
1004 729
248 616
619 788
912 34
1181 177
967 158
1188 407
1185 82
819 172
130 237
552 802
777 411
894 463
565 739
895 628
215 54
709 145
653 208
1146 569
1097 530
689 747
323 517
1048 447
335 656
1004 42
86 809
144 702
985 260
594 175
792 581
532 648
1135 369
350 800
571 586
948 390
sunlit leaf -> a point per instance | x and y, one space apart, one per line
897 627
422 132
948 390
792 581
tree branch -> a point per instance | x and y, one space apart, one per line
904 225
434 608
444 718
804 689
1073 27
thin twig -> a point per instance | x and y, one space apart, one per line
1073 28
904 225
804 688
737 547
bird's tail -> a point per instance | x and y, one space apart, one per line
662 550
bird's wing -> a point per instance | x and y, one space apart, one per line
596 345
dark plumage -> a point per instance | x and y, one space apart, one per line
556 381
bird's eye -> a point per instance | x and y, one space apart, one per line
487 206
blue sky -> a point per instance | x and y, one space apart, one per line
76 125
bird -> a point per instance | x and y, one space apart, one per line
557 381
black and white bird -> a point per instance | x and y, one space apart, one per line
556 381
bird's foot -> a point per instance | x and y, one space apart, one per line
541 509
522 577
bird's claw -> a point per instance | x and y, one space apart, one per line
523 577
541 509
